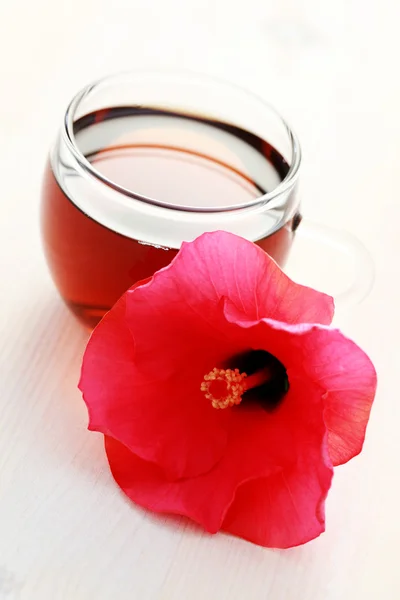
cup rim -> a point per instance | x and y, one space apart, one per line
69 137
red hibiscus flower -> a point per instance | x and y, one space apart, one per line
224 395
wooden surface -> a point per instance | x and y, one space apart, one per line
66 532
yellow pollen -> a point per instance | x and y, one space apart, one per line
231 381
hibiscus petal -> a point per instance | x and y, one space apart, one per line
286 508
254 284
350 379
325 357
179 311
146 484
261 445
283 510
167 424
205 498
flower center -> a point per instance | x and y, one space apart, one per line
225 387
259 377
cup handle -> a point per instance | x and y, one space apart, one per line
338 255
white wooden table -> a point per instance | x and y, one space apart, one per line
66 531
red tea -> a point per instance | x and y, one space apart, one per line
177 159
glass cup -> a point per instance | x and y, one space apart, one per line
147 160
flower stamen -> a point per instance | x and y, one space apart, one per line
225 387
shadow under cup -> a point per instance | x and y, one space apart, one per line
145 161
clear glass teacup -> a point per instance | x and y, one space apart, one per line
147 160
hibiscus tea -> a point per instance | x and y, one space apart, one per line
182 160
